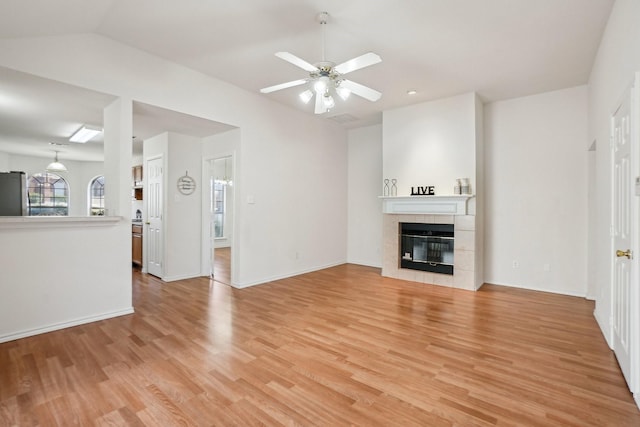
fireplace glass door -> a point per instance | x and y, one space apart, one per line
427 247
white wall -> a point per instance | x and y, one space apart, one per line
4 162
431 143
293 164
536 196
78 176
183 212
477 204
364 187
60 275
592 221
613 71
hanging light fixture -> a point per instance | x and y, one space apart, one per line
56 166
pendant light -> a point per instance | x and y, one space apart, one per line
56 166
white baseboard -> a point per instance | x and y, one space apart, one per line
365 263
180 277
62 325
566 292
284 276
605 328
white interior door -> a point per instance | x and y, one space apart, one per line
623 224
154 235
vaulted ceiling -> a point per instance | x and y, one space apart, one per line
498 48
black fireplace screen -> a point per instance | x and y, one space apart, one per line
427 247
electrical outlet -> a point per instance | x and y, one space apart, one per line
546 267
515 264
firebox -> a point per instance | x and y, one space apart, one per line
427 247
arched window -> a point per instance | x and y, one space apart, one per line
96 196
48 195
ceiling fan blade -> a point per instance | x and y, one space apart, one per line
360 90
319 106
291 58
283 86
357 63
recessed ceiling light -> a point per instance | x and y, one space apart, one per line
412 92
85 133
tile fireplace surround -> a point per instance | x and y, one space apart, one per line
456 210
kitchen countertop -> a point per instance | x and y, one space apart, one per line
57 221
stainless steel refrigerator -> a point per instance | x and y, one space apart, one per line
13 194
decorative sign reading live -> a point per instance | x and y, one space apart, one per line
429 190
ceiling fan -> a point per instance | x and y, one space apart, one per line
326 78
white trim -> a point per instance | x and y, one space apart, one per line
63 325
550 291
181 277
604 326
634 297
58 221
286 276
426 205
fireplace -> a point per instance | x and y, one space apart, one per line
427 247
459 213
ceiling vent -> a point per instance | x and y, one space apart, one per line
344 118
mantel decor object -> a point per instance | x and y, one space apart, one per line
428 190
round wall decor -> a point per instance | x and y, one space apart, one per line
186 184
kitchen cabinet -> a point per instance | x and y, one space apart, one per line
136 244
137 193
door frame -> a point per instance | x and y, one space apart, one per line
635 288
633 91
206 265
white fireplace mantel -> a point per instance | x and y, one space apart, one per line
427 205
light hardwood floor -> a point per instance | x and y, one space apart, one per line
222 265
342 346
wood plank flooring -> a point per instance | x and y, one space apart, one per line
342 346
222 265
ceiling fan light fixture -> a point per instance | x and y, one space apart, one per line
321 85
306 96
328 102
343 92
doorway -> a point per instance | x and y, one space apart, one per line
221 184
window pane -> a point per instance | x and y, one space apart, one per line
48 195
97 196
